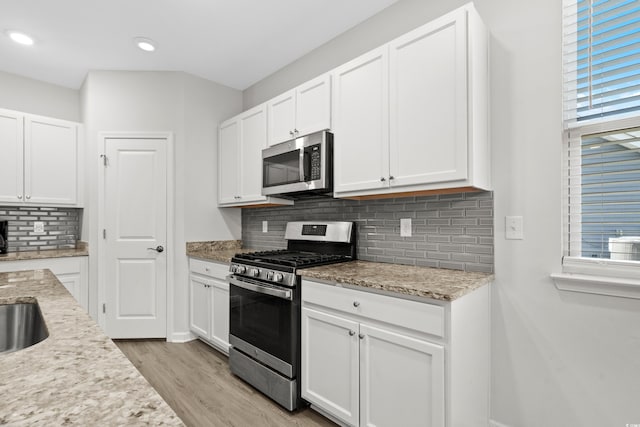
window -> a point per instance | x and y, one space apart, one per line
601 77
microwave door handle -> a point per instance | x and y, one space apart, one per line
251 286
302 170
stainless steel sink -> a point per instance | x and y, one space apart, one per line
21 326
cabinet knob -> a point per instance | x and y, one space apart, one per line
295 131
291 132
391 177
352 333
382 179
28 197
361 336
356 304
20 196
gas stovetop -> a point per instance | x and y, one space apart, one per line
309 244
289 258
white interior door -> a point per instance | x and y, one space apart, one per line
135 222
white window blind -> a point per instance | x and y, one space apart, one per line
601 60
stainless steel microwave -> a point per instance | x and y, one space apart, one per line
302 166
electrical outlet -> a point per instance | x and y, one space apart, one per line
38 227
405 227
265 226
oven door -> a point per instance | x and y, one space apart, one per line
263 322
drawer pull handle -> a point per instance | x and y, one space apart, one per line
356 304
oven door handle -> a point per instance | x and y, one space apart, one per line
256 287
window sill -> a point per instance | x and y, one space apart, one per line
601 285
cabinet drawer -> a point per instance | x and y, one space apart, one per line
418 316
211 269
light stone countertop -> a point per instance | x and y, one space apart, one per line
423 282
219 251
76 376
80 250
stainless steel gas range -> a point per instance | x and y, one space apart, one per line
264 328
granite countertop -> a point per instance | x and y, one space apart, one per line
434 283
76 376
80 250
220 251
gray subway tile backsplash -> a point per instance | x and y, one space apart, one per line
61 227
448 231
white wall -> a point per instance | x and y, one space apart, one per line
558 358
190 108
37 97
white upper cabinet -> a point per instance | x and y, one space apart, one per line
11 147
241 141
300 111
414 112
43 167
282 117
228 162
361 122
50 161
428 99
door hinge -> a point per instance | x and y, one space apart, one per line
104 307
105 159
104 233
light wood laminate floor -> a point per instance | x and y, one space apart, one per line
196 382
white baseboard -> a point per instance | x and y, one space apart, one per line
493 423
179 337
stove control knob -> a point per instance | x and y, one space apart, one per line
241 269
278 277
269 275
254 272
233 268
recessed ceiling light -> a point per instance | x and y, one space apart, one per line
145 44
19 37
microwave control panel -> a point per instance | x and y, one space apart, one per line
316 162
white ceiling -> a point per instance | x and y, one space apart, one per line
232 42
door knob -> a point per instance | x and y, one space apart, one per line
158 249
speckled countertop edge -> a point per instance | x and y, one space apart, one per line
416 282
219 251
76 376
81 249
394 279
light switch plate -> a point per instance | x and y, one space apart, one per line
38 227
514 229
265 226
405 227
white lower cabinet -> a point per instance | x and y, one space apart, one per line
72 272
361 367
209 303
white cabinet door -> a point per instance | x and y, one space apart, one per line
330 364
11 174
428 103
361 122
228 160
401 380
282 117
50 161
313 106
253 139
200 305
220 313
